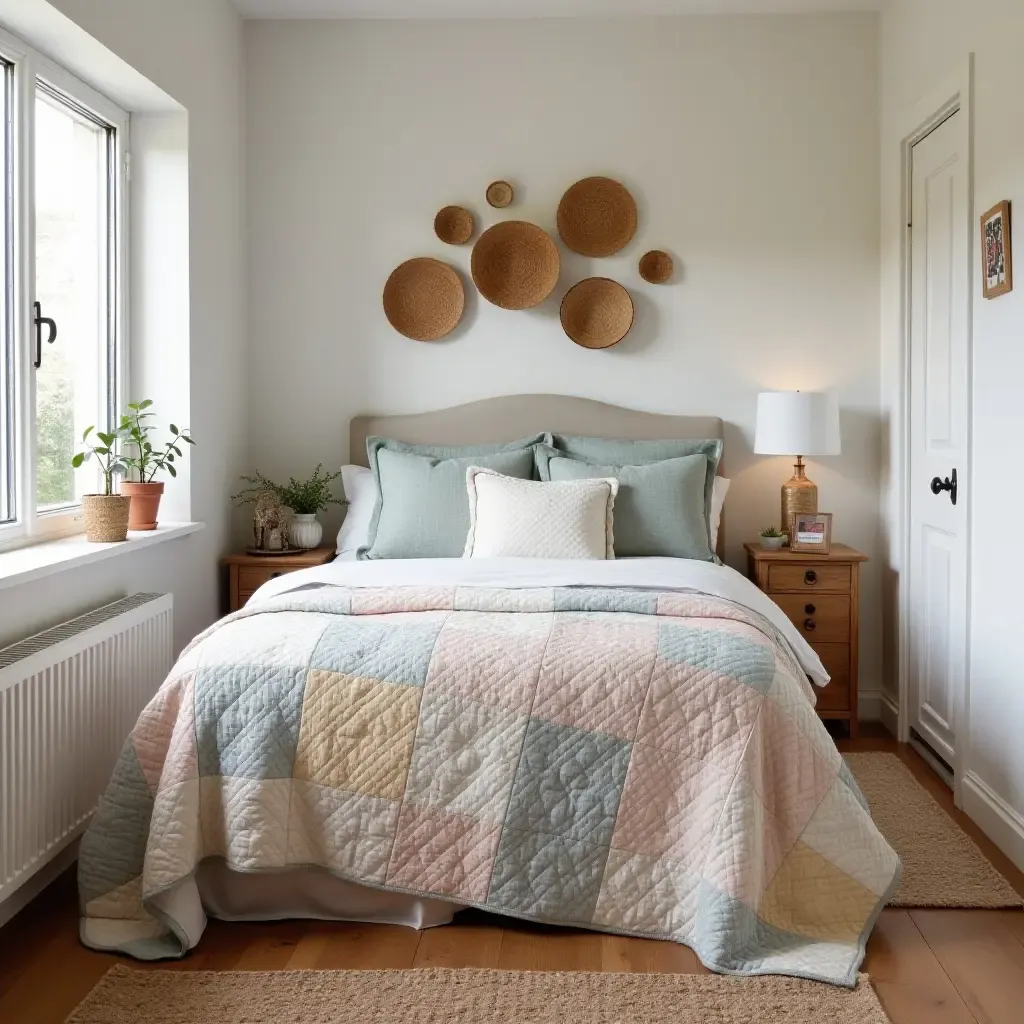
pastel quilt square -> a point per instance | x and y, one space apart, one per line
375 600
174 843
491 658
443 854
605 599
488 599
357 734
272 640
345 832
568 783
670 806
465 755
247 719
652 895
596 672
719 653
546 876
392 652
164 736
245 821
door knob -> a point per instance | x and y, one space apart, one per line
949 484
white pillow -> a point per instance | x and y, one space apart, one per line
361 493
720 490
529 519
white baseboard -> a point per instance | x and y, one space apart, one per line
869 705
890 714
996 818
19 899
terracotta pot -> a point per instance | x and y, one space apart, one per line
106 517
145 504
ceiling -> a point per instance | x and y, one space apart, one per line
534 8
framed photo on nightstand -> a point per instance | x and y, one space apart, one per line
810 533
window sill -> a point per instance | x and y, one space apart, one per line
24 565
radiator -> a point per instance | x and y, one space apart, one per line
69 697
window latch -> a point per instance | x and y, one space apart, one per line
41 321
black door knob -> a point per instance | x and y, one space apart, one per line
949 484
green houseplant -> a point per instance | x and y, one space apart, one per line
772 539
304 497
106 514
146 460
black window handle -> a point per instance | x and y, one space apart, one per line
39 321
949 484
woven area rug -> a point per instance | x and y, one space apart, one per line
127 996
942 865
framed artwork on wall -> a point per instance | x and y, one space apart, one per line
811 532
996 254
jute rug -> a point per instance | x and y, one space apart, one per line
127 996
942 865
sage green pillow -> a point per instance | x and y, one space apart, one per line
659 510
422 506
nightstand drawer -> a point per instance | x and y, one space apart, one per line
836 659
243 598
253 577
819 577
821 618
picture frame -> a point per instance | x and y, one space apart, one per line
996 251
810 532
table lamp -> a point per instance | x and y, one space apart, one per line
797 423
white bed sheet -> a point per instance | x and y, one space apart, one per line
677 574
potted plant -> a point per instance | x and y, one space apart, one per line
147 461
304 497
106 514
772 539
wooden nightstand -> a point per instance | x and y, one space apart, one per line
246 573
820 595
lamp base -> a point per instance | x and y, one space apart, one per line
799 495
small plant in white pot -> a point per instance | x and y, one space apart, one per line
305 498
106 514
772 539
146 461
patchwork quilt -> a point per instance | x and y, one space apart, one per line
623 760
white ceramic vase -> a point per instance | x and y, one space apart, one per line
305 532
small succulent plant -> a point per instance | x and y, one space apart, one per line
771 531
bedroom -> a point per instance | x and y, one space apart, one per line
763 145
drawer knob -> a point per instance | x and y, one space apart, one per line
810 625
810 577
810 609
274 575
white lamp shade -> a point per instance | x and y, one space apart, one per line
797 423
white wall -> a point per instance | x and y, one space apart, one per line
750 144
923 41
192 49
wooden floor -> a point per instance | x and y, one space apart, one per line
928 966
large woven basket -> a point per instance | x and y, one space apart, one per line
597 217
424 299
106 517
515 264
597 313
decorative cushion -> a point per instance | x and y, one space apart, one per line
526 519
660 507
718 495
361 495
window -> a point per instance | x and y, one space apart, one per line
63 366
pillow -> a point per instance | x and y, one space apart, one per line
660 507
527 519
422 510
721 489
608 451
361 495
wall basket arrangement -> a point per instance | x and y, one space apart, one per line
454 225
597 217
597 313
500 194
515 265
656 266
424 299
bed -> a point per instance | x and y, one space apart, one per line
626 745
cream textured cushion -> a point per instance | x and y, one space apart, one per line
528 519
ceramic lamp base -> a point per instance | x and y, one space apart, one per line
799 495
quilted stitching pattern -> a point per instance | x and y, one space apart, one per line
640 762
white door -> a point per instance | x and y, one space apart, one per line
939 446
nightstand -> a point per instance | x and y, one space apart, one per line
820 595
247 573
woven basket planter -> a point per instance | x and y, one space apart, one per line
106 517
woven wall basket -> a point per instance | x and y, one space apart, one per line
597 313
656 266
515 265
500 194
597 217
424 299
454 225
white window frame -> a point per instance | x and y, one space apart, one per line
31 526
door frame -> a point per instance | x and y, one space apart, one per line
955 95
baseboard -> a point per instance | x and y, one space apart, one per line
996 818
19 899
869 706
890 714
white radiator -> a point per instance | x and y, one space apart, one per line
69 697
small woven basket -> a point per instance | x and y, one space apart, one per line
106 517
